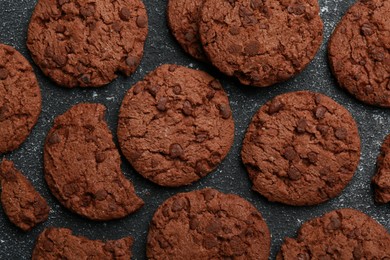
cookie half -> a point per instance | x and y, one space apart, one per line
260 42
207 224
175 126
381 180
22 204
60 243
86 43
82 166
301 148
183 18
359 52
339 234
20 99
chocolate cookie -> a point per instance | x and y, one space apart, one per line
261 42
359 52
86 43
381 180
301 148
82 166
183 18
59 243
207 224
20 99
175 126
339 234
21 202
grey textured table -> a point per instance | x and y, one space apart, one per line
374 124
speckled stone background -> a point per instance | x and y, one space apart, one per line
374 125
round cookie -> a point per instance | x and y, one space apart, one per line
339 234
86 43
183 18
207 224
381 180
301 148
175 126
20 99
260 42
82 166
359 52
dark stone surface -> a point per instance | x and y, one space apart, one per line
374 124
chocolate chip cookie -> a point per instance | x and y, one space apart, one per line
60 243
339 234
183 18
175 126
261 42
21 202
359 52
381 180
86 43
20 99
207 224
82 166
301 148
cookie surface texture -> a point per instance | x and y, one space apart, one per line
20 99
183 19
207 224
359 52
175 126
301 148
60 243
86 43
22 204
260 42
339 234
381 180
82 166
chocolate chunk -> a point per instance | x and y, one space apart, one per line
290 153
225 111
341 133
100 157
132 61
162 104
187 108
3 73
320 111
87 10
275 106
125 14
294 174
142 21
177 89
54 138
301 126
252 48
367 29
175 150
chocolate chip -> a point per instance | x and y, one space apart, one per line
244 11
3 73
358 252
210 94
301 126
179 204
175 150
234 30
187 108
61 60
323 129
48 245
60 28
209 242
201 167
215 84
213 227
367 29
194 223
152 89
297 9
137 89
256 4
334 223
234 48
9 175
368 89
189 36
85 78
125 14
290 153
87 10
313 157
209 194
162 104
101 194
131 61
163 242
70 189
172 68
86 199
100 157
177 89
341 133
252 48
294 174
275 106
319 112
201 137
224 110
142 21
54 138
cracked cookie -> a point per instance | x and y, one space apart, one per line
82 166
60 243
207 224
22 204
86 43
381 180
261 42
183 18
359 52
339 234
175 126
20 99
301 148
